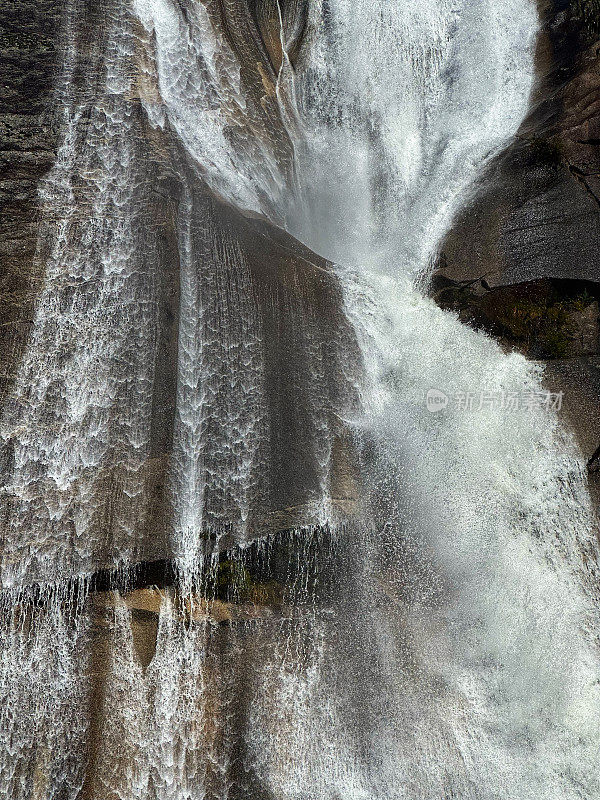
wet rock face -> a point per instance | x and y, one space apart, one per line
270 16
259 31
542 319
29 57
225 350
147 688
537 211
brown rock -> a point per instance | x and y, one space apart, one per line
259 284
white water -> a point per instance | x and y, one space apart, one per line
486 535
199 92
456 659
77 424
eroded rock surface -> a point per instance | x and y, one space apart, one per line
224 362
29 60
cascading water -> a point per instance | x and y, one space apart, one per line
78 422
441 644
485 547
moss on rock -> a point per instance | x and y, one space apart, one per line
543 319
234 583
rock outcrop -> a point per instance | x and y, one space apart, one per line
536 213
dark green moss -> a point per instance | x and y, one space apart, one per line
234 583
546 328
541 320
232 580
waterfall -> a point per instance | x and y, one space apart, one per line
484 544
429 635
77 424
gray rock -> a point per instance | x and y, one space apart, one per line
534 222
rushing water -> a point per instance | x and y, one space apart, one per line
439 646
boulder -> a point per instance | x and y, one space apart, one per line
535 213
